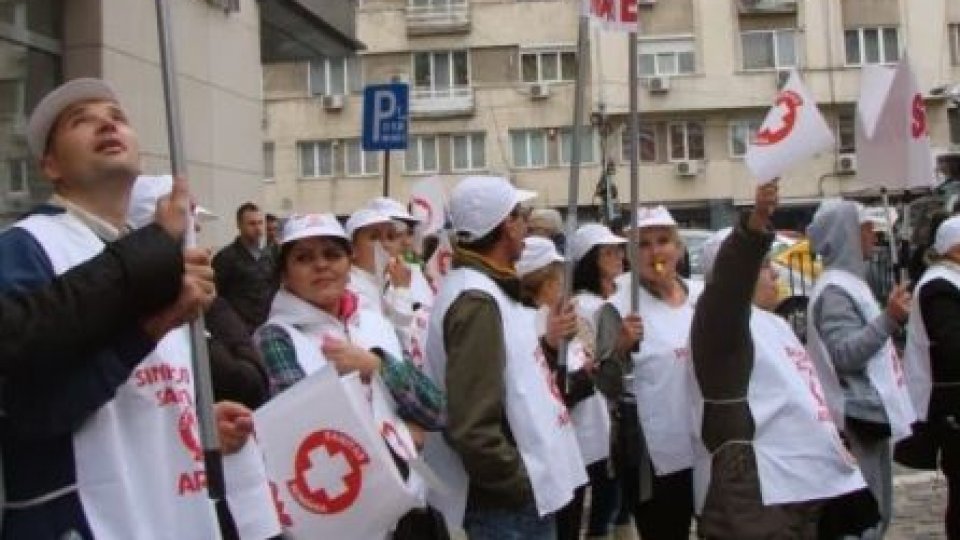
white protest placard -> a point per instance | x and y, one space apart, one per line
440 263
793 131
331 469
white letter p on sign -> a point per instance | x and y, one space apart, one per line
385 106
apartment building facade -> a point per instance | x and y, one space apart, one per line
492 92
219 42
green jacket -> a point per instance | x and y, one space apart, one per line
477 427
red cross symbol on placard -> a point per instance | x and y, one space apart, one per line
328 472
789 102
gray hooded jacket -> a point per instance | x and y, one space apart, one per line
850 339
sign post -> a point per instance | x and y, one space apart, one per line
386 121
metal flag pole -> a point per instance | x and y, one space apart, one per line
200 355
573 188
634 245
386 173
892 242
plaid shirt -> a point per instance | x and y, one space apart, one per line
418 399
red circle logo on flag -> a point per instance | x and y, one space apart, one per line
770 135
420 202
328 472
189 436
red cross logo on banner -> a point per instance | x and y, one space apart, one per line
187 427
918 124
328 472
770 135
420 202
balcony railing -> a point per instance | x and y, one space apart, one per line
451 16
456 101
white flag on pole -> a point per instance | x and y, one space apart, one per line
793 131
893 142
332 471
428 203
616 15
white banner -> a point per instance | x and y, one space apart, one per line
428 203
616 15
333 473
793 131
893 140
440 263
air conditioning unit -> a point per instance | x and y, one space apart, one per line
687 169
658 85
782 78
539 91
333 102
846 164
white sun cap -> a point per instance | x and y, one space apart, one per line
392 208
948 235
365 217
537 253
479 203
653 216
44 116
300 226
876 216
590 235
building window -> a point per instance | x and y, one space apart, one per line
741 133
953 117
846 130
954 32
529 147
333 76
588 146
646 134
316 159
878 45
19 173
360 162
421 156
686 140
469 152
666 57
268 161
548 66
769 49
441 71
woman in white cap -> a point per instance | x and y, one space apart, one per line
660 375
598 258
541 285
931 357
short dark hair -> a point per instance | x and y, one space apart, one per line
244 208
586 273
287 247
270 218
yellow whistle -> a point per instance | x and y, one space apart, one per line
659 267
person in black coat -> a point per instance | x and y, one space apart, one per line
236 368
246 269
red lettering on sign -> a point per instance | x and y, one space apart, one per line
603 8
628 11
191 482
918 124
173 396
282 515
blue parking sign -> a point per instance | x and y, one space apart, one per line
385 116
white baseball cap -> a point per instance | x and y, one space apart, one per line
479 203
365 217
147 190
948 235
392 208
653 216
537 253
876 215
590 235
45 115
299 226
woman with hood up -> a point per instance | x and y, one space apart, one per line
850 335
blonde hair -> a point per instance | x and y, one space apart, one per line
532 283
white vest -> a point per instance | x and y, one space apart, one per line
885 370
662 378
916 357
538 419
591 417
139 462
799 454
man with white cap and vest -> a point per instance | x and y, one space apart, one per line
932 357
770 454
108 448
515 454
